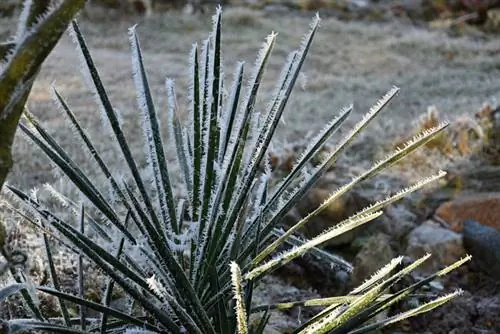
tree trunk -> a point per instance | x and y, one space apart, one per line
23 58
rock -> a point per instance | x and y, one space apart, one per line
398 221
344 207
484 208
375 253
271 290
483 243
445 246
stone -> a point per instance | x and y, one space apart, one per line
375 253
271 290
344 207
398 221
482 207
446 246
483 243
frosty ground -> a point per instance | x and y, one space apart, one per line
349 62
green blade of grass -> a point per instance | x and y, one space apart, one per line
319 253
196 133
212 246
54 277
76 175
231 168
231 110
154 143
240 308
108 290
178 135
81 290
212 131
277 107
167 260
273 116
408 314
288 256
109 111
80 241
375 308
30 325
59 100
327 301
109 311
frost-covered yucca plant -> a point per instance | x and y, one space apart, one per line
188 256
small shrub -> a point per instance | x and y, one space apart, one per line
190 263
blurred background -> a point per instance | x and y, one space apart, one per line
438 12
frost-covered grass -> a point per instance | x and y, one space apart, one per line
188 250
349 62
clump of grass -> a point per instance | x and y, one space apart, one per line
190 262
